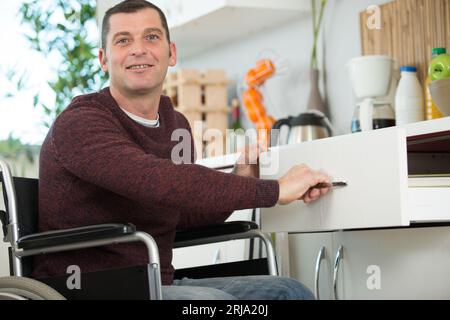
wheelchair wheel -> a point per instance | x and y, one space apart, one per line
21 288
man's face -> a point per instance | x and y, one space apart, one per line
137 52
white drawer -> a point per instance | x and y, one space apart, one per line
375 166
429 204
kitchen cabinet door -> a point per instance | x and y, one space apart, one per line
411 263
305 252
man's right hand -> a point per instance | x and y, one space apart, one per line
296 184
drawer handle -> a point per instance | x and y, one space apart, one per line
337 263
319 259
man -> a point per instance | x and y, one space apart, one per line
107 158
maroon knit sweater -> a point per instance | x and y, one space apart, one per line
99 166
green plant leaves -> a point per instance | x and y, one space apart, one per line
317 22
59 29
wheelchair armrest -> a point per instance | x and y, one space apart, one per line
75 235
226 228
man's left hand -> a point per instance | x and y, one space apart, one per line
248 165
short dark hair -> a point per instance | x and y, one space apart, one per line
131 6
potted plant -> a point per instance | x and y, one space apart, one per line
315 101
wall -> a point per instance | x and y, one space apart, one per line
288 93
290 44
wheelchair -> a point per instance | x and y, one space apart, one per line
20 229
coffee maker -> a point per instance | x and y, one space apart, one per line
374 81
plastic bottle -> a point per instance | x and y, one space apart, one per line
409 97
235 115
431 111
235 137
439 68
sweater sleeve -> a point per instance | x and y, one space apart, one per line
90 144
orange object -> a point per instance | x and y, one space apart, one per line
253 99
263 70
253 102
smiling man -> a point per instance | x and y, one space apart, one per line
107 158
136 54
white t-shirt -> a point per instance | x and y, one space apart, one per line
145 122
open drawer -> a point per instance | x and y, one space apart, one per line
376 165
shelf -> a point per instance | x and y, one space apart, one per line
223 21
423 128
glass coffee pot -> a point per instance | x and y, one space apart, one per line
379 115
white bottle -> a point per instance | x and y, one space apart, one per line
409 97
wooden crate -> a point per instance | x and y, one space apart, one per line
203 100
215 90
193 117
197 128
191 90
183 88
217 120
199 145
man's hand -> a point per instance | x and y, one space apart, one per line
297 182
248 163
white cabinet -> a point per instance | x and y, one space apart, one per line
375 165
410 263
305 250
395 264
199 25
361 260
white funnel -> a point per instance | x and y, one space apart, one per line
370 76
